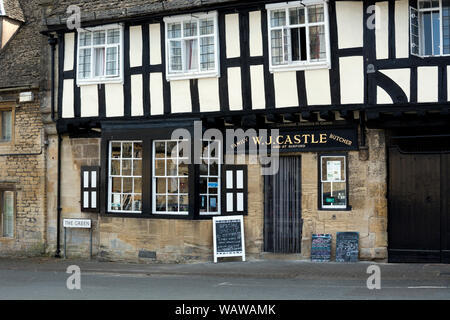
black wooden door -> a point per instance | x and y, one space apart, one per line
282 208
417 188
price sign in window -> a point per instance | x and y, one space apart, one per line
333 189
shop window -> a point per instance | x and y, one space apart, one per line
210 179
7 210
333 182
99 55
125 177
6 125
170 178
89 189
235 189
192 46
298 35
430 28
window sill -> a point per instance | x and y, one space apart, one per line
293 67
176 77
99 81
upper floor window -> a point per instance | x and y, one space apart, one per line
192 46
298 35
99 55
6 125
430 28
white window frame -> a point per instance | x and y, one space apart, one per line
184 75
344 180
421 31
209 176
103 79
178 177
110 176
306 65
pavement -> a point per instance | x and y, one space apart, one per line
45 278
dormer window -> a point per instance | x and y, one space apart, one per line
99 55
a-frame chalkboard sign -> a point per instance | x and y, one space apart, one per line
228 235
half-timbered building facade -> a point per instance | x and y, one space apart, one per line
357 89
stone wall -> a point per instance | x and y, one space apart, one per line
368 199
149 240
22 167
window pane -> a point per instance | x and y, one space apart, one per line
175 56
99 37
6 125
127 148
99 61
206 26
436 34
160 168
161 203
297 16
137 185
174 30
85 39
207 54
112 67
8 214
184 203
127 201
113 36
116 185
127 185
137 168
317 43
414 32
333 169
191 54
161 185
137 202
298 44
446 25
427 39
190 29
172 186
172 203
277 47
84 64
315 13
426 4
137 150
278 18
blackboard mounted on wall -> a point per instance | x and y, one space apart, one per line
321 248
347 247
228 233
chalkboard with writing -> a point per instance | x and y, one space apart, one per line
321 248
347 247
228 237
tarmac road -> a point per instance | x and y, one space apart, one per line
272 280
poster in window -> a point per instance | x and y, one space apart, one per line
334 171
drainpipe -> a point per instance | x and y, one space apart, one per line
52 41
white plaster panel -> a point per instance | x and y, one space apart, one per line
256 36
135 46
286 89
427 84
232 35
114 100
382 30
402 77
156 93
208 92
89 101
155 44
318 90
349 16
235 88
180 92
137 106
383 97
258 88
351 71
67 100
401 29
69 47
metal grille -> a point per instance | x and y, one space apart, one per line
282 212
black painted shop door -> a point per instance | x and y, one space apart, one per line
282 208
419 202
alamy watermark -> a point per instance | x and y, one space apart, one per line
74 280
374 280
